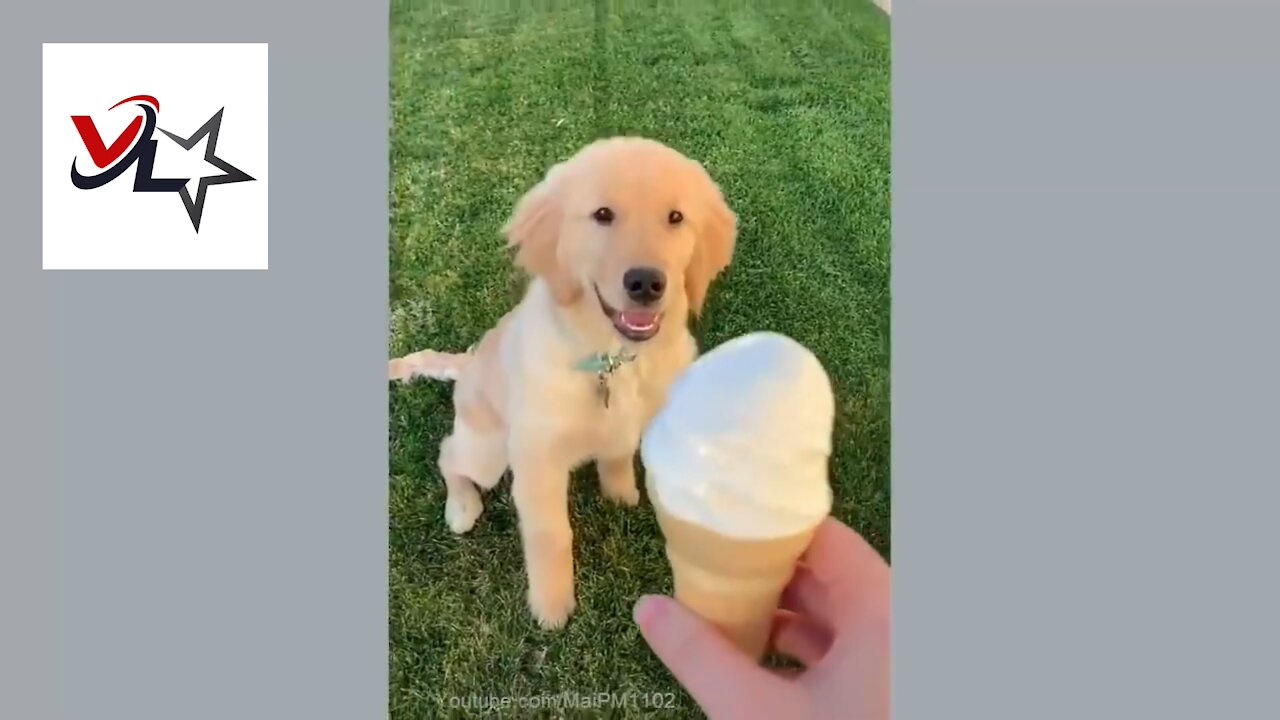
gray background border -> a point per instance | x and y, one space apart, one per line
195 462
1085 359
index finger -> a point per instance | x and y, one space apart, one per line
836 547
842 569
724 682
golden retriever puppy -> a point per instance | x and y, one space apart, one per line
622 241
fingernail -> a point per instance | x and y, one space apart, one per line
647 609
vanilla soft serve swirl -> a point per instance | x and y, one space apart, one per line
742 445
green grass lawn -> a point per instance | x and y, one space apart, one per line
788 107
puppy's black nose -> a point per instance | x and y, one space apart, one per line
644 284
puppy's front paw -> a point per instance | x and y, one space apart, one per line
628 495
551 588
551 607
618 482
461 510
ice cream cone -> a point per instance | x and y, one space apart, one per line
734 584
736 466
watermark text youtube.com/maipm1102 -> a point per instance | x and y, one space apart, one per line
565 700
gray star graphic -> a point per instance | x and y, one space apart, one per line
195 208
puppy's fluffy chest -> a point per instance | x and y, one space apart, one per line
563 403
616 429
590 429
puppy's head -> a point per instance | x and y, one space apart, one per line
629 225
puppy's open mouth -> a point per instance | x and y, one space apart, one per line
636 324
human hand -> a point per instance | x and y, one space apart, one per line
834 618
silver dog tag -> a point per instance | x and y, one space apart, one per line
603 388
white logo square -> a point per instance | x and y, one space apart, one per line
155 156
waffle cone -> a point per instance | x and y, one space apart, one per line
732 583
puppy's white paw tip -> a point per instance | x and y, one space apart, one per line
461 513
629 496
553 616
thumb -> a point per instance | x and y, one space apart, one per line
724 682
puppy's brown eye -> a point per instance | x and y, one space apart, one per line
603 215
675 218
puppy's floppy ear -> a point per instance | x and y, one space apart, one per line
534 230
717 232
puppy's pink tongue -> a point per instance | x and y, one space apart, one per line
638 319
